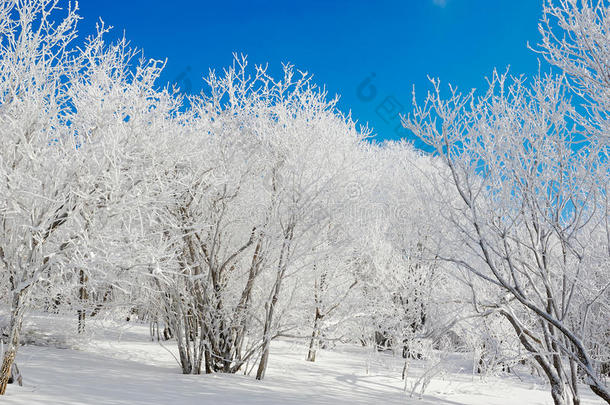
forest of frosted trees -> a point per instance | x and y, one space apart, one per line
256 210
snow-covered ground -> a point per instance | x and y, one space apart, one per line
120 365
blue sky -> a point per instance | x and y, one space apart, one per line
394 43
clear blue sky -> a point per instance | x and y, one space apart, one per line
342 42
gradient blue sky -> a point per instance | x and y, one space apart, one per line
341 42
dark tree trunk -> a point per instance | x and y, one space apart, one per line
83 296
315 336
13 342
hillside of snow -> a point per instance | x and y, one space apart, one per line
118 364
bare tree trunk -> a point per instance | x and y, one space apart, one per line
602 393
262 365
311 355
281 269
244 304
200 352
13 342
558 392
182 337
574 382
315 335
208 360
83 296
7 364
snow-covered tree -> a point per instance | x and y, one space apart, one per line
72 119
576 39
530 195
39 161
